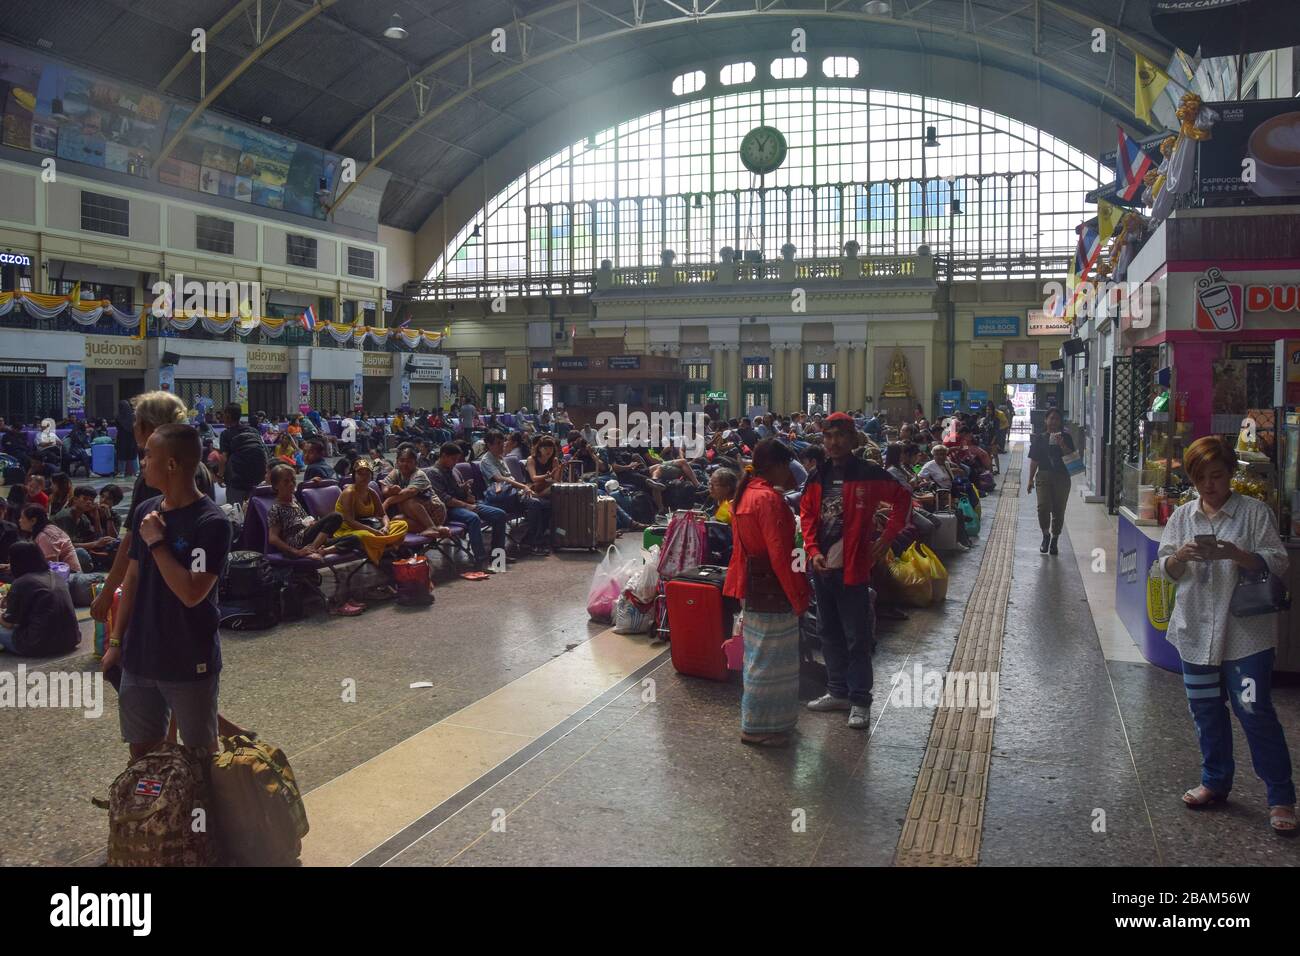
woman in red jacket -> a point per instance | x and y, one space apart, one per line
762 576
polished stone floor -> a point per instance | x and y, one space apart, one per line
547 740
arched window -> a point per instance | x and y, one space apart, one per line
735 73
840 67
688 83
855 169
789 68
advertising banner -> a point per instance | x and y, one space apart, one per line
304 390
241 388
358 390
1264 132
406 390
75 388
167 378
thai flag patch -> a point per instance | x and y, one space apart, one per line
148 788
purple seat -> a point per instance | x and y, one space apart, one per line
470 473
517 470
257 535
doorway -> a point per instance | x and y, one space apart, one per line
1020 396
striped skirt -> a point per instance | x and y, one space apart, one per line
770 704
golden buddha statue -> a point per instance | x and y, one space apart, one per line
899 384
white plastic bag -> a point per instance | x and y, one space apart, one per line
644 586
607 584
630 619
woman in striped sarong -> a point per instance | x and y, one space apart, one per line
763 535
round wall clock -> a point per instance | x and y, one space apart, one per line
763 149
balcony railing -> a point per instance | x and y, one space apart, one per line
1044 265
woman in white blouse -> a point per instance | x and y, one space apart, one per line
1226 658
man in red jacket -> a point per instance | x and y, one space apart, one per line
838 511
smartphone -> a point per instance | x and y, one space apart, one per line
1207 539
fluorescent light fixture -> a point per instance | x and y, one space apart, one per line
877 8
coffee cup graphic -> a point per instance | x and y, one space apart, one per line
1215 296
1275 148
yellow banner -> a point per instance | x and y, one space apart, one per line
1149 82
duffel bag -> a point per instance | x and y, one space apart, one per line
82 587
247 574
259 817
151 811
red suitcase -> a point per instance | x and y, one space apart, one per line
698 622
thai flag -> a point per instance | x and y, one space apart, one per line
148 788
1131 166
1085 256
308 319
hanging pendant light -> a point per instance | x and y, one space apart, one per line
931 137
395 29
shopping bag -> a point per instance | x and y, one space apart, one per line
607 584
968 516
911 583
934 568
686 545
644 586
630 619
1073 462
734 646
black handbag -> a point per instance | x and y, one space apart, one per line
1259 592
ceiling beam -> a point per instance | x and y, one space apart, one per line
230 16
740 16
315 10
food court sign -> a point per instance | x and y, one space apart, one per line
1222 306
115 351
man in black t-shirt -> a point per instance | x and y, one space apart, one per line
165 632
243 456
313 456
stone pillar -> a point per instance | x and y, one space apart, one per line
731 354
518 390
794 377
846 395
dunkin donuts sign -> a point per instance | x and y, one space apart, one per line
1221 306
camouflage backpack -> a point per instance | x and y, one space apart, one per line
151 811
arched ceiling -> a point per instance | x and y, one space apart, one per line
430 107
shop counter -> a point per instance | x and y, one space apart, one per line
1143 604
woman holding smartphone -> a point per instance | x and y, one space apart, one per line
1226 658
1047 451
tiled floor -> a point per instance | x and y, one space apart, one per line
549 740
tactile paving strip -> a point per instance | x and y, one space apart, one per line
946 816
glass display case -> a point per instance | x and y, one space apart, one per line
1155 484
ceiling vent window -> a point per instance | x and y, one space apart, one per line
107 214
361 263
300 251
789 68
842 67
738 73
214 235
688 83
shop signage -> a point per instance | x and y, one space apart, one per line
996 326
1286 372
571 362
624 361
14 259
377 364
388 305
1047 376
716 396
1221 306
36 369
268 361
425 361
421 373
1044 323
115 351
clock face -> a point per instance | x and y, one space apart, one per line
763 149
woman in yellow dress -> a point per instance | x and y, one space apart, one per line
363 514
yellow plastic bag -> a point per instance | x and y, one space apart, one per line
934 569
911 579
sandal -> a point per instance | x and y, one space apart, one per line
347 610
1282 820
765 740
1201 796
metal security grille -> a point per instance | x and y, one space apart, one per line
300 251
331 397
1129 385
267 393
361 262
109 214
24 400
214 235
191 390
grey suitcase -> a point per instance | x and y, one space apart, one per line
573 515
945 536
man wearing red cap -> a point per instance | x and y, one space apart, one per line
838 512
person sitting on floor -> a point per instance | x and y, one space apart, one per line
36 490
60 492
289 528
110 496
81 521
50 538
38 619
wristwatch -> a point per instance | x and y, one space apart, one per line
158 544
114 642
